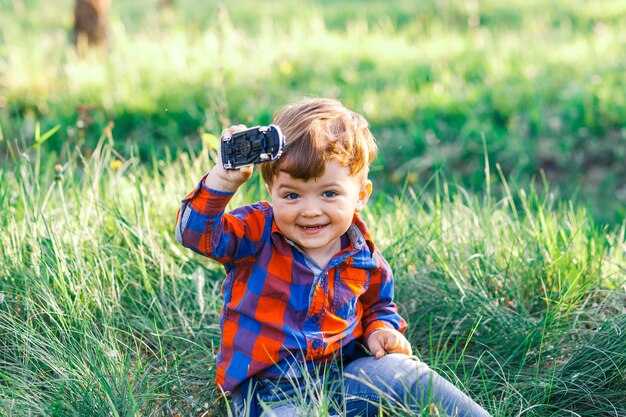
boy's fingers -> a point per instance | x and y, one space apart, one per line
375 346
388 346
388 342
233 129
237 128
398 344
246 171
406 347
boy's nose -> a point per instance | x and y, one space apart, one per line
311 210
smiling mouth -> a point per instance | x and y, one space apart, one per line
312 227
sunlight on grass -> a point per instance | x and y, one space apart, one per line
542 82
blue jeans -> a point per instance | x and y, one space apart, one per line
400 384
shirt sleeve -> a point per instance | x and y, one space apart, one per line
379 310
203 226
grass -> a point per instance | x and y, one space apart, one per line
102 313
539 81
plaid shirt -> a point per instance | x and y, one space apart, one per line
280 307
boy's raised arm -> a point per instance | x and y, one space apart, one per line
204 227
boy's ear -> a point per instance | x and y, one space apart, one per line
364 195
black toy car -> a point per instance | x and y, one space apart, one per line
252 146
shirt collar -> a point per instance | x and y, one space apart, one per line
366 255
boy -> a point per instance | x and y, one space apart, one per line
305 284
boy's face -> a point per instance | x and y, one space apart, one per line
315 213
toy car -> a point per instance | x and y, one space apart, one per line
252 146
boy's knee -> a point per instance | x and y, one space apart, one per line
395 374
393 379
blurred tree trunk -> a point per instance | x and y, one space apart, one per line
91 22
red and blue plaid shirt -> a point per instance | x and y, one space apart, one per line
280 307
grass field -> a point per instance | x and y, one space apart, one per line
541 82
514 289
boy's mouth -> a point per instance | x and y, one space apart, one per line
312 227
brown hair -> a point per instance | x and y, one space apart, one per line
316 131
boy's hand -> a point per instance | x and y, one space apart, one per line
228 180
388 341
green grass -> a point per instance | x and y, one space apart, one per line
540 81
102 313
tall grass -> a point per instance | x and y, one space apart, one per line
99 306
519 300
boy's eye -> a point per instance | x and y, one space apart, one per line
291 196
329 194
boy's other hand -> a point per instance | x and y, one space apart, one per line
385 341
225 179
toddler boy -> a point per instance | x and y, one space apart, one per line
306 288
